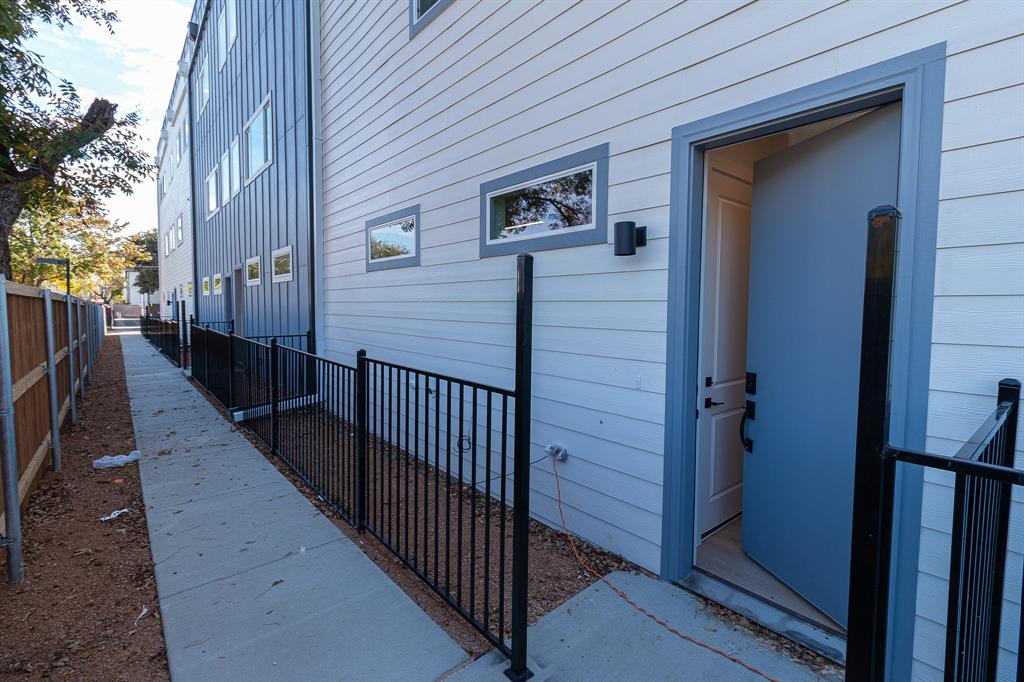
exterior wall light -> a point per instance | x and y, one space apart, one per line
628 237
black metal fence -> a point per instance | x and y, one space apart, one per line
985 475
164 334
436 467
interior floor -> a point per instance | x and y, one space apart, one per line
721 554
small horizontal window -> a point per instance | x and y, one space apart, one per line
206 286
281 261
393 240
217 283
252 271
422 12
558 204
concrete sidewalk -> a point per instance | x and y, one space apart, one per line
254 583
597 636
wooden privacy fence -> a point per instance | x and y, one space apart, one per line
48 344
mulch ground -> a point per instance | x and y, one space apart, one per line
554 574
76 616
402 490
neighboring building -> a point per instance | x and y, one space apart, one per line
132 295
251 165
174 225
456 134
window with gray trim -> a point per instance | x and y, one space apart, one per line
393 240
554 205
422 12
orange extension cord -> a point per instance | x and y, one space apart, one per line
625 597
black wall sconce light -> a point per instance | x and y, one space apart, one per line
628 237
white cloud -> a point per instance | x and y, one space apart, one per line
134 67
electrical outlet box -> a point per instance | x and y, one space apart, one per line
556 451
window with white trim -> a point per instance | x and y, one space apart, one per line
393 240
218 283
231 15
252 271
222 39
236 168
558 204
179 144
257 138
225 178
281 262
179 233
206 286
203 84
212 186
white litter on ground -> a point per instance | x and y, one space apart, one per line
113 515
111 461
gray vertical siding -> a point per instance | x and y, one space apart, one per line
269 56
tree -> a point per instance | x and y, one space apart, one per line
95 245
54 155
145 244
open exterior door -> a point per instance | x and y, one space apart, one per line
808 240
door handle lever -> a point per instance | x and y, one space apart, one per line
709 403
748 413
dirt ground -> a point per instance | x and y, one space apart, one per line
77 615
554 574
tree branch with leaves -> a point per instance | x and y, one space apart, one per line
54 155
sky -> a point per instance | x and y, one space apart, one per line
134 68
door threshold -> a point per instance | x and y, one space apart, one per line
831 645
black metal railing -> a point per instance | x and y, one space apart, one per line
438 463
297 341
164 335
434 466
984 477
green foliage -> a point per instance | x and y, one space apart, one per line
146 246
98 252
55 157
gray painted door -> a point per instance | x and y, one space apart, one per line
808 241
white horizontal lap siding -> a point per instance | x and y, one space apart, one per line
488 88
978 328
176 268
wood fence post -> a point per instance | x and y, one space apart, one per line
11 538
51 375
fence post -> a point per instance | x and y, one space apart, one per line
517 670
273 393
1009 391
9 450
51 376
71 362
231 367
875 471
87 315
206 357
182 334
361 439
81 349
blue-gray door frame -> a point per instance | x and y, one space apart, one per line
916 79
